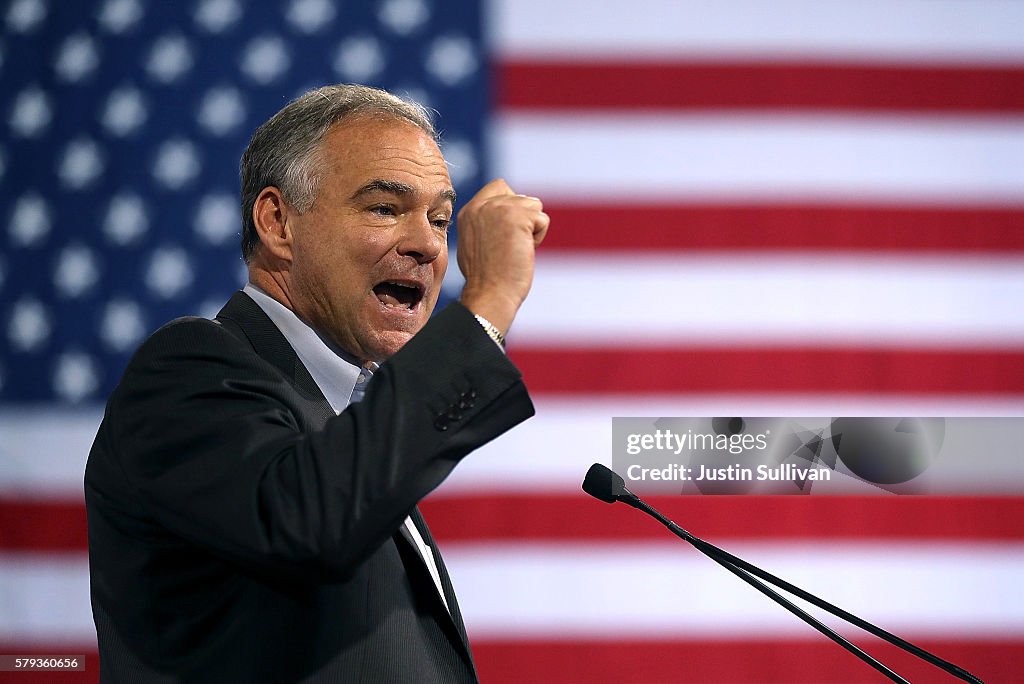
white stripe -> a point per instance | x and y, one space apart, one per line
654 589
43 451
44 599
636 157
866 30
668 590
806 300
551 452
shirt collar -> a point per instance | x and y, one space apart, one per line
334 372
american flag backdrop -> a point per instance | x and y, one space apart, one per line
797 207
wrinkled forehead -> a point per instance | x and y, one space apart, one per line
375 137
368 148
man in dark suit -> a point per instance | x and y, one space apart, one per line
247 522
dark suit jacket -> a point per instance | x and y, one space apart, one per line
240 531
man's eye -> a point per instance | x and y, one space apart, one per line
442 223
383 210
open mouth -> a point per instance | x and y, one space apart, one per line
399 294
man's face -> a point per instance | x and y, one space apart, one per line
370 255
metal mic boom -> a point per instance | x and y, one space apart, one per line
605 484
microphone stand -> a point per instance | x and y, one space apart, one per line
749 573
745 575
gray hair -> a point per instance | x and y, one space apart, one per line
284 151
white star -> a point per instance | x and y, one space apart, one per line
75 376
169 59
403 16
77 57
451 59
310 16
29 326
31 113
169 272
221 110
76 272
177 163
217 218
24 16
31 221
81 164
265 59
122 325
217 15
117 16
359 59
126 219
124 112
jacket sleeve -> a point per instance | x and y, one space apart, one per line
203 439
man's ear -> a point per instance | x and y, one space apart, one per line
270 215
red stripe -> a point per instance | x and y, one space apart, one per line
91 675
788 662
807 661
769 370
577 517
744 85
782 227
45 526
32 525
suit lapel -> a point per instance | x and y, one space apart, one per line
453 616
446 582
245 318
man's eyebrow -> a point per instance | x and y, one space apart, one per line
381 185
448 195
396 188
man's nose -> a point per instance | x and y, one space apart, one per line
422 240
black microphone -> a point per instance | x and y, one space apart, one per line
605 484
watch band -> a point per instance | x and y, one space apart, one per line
491 330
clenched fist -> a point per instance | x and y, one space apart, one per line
499 231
